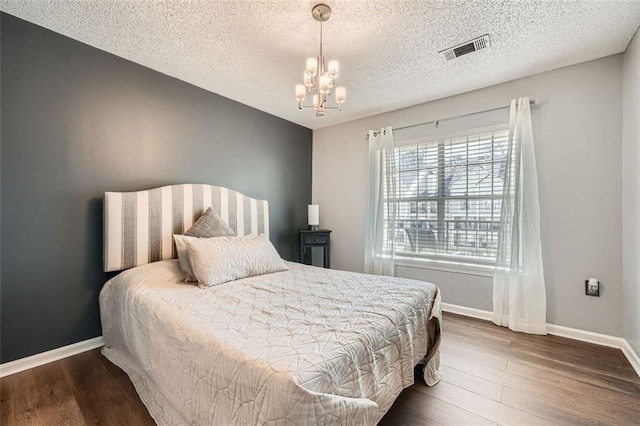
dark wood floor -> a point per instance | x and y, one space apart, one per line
489 376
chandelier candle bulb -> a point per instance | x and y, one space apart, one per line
314 216
333 68
325 82
341 94
301 92
312 66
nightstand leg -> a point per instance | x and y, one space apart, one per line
327 256
306 256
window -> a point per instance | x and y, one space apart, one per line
448 198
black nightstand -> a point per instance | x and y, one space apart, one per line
310 239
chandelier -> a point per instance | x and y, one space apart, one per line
318 78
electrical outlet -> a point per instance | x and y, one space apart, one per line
592 287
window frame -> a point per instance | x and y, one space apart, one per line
446 262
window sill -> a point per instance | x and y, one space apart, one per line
458 268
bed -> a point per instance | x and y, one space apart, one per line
305 346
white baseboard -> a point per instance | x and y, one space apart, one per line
631 355
585 336
22 364
467 312
558 330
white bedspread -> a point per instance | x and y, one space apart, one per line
308 346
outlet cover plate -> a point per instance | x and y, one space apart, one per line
589 292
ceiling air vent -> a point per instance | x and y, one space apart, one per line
466 47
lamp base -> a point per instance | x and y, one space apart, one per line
314 227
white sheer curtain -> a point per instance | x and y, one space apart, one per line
379 251
519 300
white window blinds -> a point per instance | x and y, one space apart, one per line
449 196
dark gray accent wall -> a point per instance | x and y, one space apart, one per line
76 122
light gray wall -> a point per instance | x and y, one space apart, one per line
578 131
631 193
77 122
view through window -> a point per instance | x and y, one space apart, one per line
449 198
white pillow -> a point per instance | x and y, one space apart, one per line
221 259
209 225
183 258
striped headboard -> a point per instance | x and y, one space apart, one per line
139 226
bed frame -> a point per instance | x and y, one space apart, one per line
139 226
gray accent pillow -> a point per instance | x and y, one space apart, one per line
209 225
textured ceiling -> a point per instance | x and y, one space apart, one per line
255 51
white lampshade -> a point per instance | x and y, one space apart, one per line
301 92
325 82
312 65
307 79
333 68
341 94
314 214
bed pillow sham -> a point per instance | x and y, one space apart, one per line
209 225
219 260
